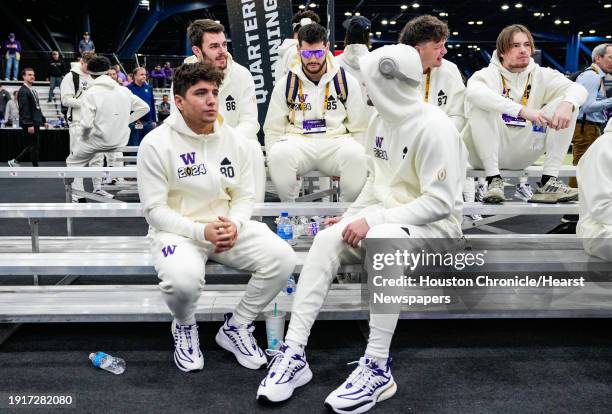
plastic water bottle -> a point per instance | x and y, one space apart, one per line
284 228
290 288
107 362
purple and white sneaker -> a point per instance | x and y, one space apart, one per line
187 354
367 385
288 371
239 340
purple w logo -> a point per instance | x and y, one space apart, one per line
188 158
168 250
379 141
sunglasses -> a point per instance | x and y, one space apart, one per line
307 54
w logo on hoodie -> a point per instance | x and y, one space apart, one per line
168 250
189 158
379 152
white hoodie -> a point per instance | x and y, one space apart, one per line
446 90
69 96
484 88
237 101
340 119
107 109
287 57
594 173
186 180
417 159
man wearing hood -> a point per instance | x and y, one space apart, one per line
196 187
517 111
70 98
356 44
106 110
318 129
237 101
413 192
288 50
594 173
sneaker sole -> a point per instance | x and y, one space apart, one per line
300 381
178 364
493 199
384 395
224 342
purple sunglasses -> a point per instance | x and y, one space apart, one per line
307 54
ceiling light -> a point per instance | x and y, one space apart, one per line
403 7
469 46
518 5
357 14
455 33
580 33
217 21
312 5
378 33
384 22
28 20
415 5
607 6
477 48
536 14
443 14
459 54
591 31
301 7
392 22
557 21
566 21
470 22
450 46
348 13
479 22
505 7
608 37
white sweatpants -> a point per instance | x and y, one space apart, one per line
596 238
296 155
257 249
493 145
97 160
327 253
259 170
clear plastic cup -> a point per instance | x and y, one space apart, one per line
275 328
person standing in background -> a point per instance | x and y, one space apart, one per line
57 68
157 77
86 45
5 98
167 69
11 115
31 119
164 109
144 91
12 56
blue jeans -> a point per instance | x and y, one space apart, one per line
137 135
12 61
54 81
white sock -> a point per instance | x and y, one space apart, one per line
190 321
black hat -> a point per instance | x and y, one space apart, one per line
357 24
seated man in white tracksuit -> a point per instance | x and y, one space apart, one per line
288 50
196 187
413 191
73 85
237 101
517 111
316 121
107 109
594 173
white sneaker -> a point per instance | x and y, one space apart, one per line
554 191
239 341
523 192
481 189
288 371
367 385
13 163
187 354
103 193
495 192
